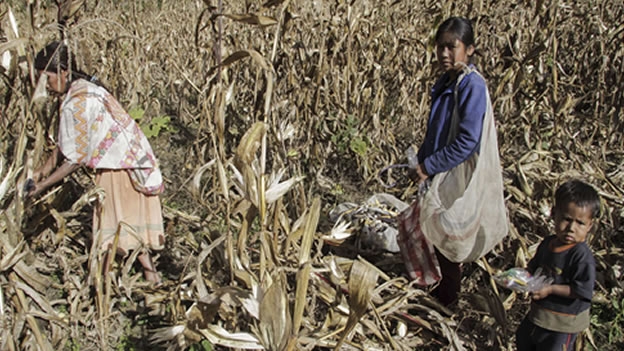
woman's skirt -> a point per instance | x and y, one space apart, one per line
136 216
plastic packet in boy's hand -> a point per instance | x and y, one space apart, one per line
520 280
538 281
516 279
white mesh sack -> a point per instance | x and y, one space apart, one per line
463 214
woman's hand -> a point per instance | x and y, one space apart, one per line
47 167
32 190
61 172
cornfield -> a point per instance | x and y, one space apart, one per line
267 115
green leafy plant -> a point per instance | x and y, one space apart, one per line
204 345
348 138
72 345
617 323
607 321
125 343
154 126
358 145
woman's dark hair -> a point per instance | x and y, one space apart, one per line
55 57
579 193
459 26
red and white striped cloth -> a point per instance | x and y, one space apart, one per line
418 253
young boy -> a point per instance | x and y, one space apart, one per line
561 310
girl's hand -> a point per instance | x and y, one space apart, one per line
422 174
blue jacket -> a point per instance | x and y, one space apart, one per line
434 153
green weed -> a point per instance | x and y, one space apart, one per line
72 345
204 345
348 138
154 126
607 322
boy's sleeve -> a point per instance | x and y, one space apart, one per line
535 261
583 278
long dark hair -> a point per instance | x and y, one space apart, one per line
460 27
56 57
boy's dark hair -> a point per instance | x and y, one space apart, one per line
579 193
460 26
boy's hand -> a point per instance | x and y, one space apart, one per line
542 293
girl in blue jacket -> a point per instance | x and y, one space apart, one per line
439 153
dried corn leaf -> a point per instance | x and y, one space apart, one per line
362 280
219 336
277 189
309 230
275 321
301 295
249 145
29 274
196 183
339 233
12 257
239 55
252 19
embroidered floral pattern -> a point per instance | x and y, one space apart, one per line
97 132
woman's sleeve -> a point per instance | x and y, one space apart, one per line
75 127
472 100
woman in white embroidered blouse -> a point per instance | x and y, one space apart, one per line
95 131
